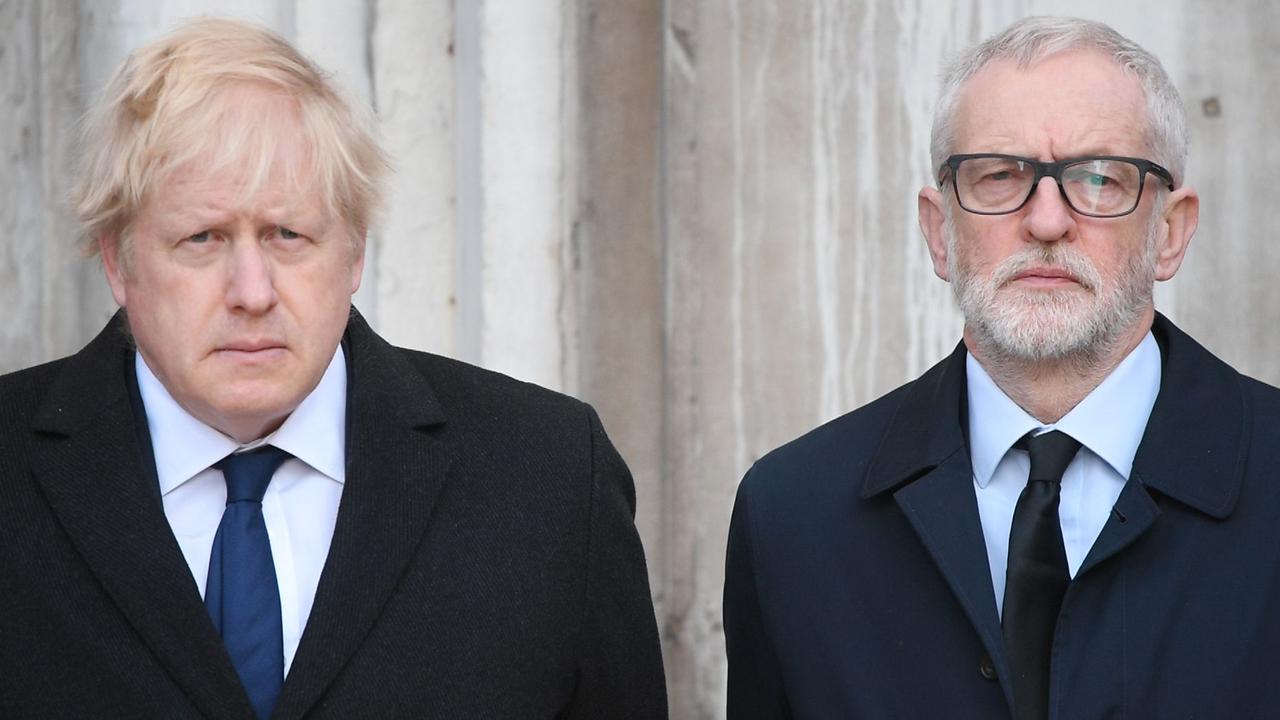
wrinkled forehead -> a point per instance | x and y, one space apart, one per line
198 193
1069 103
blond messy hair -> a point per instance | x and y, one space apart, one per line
173 102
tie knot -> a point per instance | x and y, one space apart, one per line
248 473
1051 453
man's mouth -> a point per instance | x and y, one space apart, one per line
251 347
1045 277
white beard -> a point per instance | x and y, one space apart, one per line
1078 322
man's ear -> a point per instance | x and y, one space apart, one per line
113 266
933 224
357 260
1178 224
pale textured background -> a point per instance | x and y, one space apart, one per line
697 214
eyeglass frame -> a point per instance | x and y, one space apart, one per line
1054 170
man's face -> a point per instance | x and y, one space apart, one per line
237 304
1036 323
1045 281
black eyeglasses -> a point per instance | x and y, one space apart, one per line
1101 186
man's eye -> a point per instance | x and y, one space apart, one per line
201 237
288 234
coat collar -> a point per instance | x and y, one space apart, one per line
1193 449
923 459
1197 440
90 382
396 467
927 429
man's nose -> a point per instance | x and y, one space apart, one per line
250 281
1048 217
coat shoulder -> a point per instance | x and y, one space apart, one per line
468 389
1262 402
23 391
497 410
1265 397
832 457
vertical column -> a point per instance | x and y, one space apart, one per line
619 249
412 261
22 186
468 174
527 96
696 255
79 46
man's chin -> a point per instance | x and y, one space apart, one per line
1039 332
251 409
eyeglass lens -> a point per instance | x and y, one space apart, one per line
1093 186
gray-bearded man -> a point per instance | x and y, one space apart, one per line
1074 515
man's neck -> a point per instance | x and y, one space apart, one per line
1049 389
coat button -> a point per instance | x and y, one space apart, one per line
987 668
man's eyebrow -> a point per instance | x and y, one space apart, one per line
1090 151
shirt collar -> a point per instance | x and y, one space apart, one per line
1110 420
315 432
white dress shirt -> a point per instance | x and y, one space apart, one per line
1108 423
300 506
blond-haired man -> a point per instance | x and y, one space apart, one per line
1071 517
238 501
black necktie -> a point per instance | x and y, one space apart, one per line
241 594
1037 575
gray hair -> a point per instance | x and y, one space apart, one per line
1033 39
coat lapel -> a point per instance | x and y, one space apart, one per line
1196 444
91 469
1193 450
395 470
924 460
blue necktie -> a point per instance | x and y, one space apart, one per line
241 594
